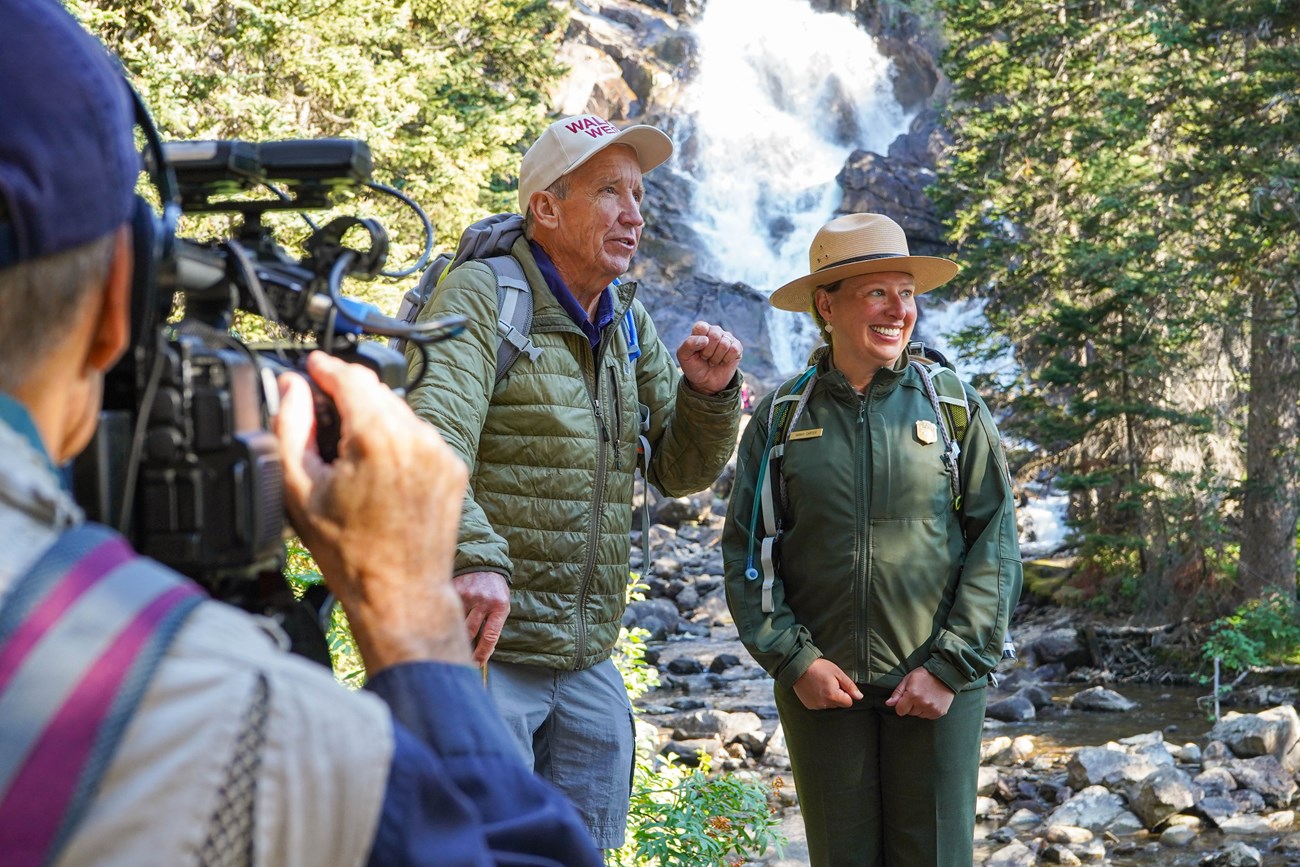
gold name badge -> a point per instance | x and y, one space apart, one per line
926 432
810 433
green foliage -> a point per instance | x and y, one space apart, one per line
629 652
446 92
1264 631
684 817
301 572
680 816
1121 187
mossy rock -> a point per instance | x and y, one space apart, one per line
1046 579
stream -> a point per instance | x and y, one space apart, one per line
1057 732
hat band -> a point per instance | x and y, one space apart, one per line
866 258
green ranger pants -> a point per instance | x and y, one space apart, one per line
879 790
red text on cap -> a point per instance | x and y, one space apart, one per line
592 126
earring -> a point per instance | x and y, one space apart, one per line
829 327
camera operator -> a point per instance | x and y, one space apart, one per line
230 751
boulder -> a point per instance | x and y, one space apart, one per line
1017 708
1160 795
1095 808
659 617
1234 855
1274 732
1106 766
1014 854
1265 775
1099 698
724 726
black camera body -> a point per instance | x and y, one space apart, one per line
183 462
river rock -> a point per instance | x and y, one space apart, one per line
775 752
685 666
675 511
1014 854
1215 754
1234 855
724 726
1067 835
1217 808
1099 698
1215 781
1017 708
659 617
1160 795
1109 766
1059 855
713 609
1005 751
1273 732
1063 645
1265 775
1177 836
1095 808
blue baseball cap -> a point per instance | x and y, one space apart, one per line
68 163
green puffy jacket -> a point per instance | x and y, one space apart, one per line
551 455
875 569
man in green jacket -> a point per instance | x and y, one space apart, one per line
542 561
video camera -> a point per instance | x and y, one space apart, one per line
183 462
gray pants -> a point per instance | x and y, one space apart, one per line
576 729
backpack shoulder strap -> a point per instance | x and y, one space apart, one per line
787 405
418 296
514 313
951 409
80 637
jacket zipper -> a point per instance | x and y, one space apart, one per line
597 498
861 611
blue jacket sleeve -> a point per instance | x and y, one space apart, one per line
458 792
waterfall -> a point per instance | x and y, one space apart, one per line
783 95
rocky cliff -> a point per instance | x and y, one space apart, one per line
632 61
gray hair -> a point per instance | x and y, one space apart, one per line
560 189
37 300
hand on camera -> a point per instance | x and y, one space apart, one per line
382 518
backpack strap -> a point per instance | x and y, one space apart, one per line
81 635
514 313
952 409
787 405
947 409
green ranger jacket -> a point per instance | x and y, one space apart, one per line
551 453
875 569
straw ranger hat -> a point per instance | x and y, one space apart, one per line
860 244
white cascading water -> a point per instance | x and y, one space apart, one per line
783 95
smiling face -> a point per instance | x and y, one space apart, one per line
872 317
592 233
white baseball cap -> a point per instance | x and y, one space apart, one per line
571 141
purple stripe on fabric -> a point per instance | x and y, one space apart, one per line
101 560
31 813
